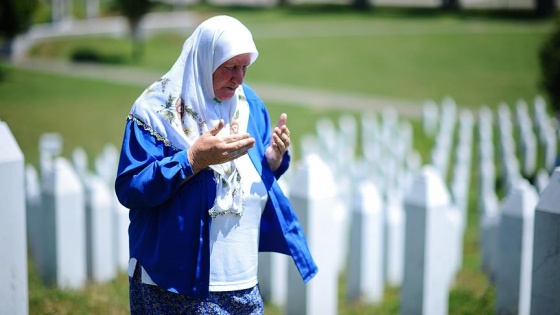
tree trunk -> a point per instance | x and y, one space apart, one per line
450 5
545 7
6 49
137 41
361 4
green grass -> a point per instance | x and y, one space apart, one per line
405 54
475 60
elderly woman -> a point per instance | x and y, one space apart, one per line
198 170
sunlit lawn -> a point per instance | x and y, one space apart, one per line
474 60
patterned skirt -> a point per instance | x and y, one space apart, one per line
146 299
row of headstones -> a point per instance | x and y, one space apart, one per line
338 264
68 218
453 216
77 230
388 160
512 170
519 242
510 236
366 220
429 257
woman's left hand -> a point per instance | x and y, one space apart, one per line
278 144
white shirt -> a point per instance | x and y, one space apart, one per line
234 240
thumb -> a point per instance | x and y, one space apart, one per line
282 120
219 126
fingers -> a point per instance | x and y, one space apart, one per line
282 120
241 145
281 142
236 147
219 126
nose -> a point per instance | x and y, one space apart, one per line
238 76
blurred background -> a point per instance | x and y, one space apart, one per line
74 68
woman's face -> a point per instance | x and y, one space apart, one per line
229 75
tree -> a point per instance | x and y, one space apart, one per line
15 18
361 4
134 11
549 57
545 7
450 5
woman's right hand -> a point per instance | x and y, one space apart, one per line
211 149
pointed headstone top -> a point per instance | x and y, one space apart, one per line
549 200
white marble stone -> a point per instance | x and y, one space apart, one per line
394 238
430 118
64 237
348 127
542 180
427 270
528 150
489 223
273 277
546 257
370 136
50 146
34 215
550 148
14 296
328 139
309 144
541 119
106 164
365 280
313 193
120 233
485 123
100 238
80 162
515 250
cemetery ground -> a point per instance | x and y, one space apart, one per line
476 61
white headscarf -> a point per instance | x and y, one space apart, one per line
212 43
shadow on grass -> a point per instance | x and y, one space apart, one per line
90 55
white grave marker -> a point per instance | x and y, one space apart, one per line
546 256
313 194
515 250
13 246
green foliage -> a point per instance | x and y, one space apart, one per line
3 72
16 16
550 67
86 54
133 10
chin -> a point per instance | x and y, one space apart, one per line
225 97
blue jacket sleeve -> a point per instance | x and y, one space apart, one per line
149 172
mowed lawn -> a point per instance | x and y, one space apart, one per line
477 61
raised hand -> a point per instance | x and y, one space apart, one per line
211 149
279 143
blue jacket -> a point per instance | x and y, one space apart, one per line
169 222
